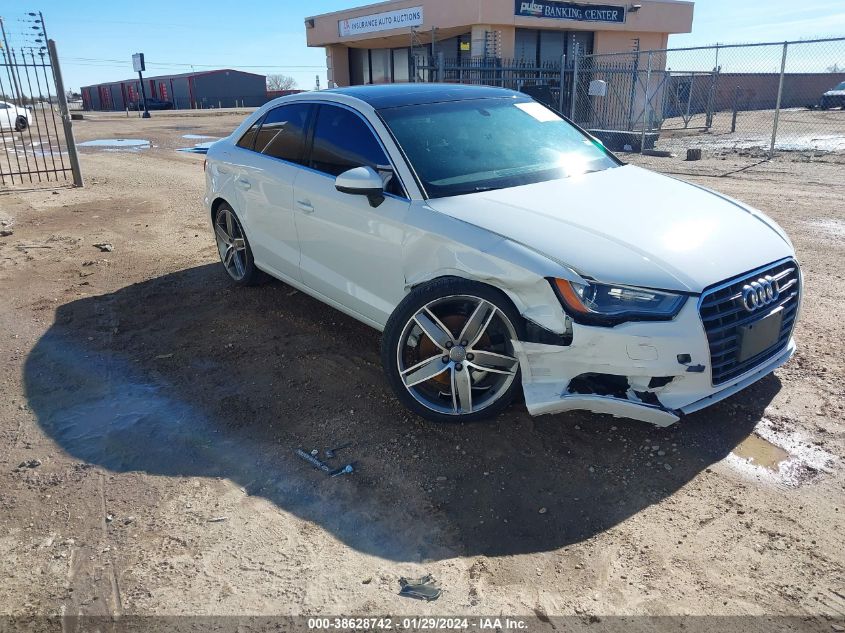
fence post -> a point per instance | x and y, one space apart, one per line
635 77
65 114
574 85
780 96
441 67
735 109
646 103
562 81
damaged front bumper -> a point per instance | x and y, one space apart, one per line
649 371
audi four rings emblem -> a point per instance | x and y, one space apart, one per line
760 293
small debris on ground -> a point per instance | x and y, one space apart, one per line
6 233
420 588
105 247
217 519
30 463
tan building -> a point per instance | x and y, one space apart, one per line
376 43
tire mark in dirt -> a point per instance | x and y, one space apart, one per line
117 603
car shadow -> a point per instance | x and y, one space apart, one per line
188 375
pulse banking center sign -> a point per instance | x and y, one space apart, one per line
570 11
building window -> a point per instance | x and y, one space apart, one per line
401 65
359 66
525 45
380 66
544 47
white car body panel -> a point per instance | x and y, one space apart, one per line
691 238
624 225
10 113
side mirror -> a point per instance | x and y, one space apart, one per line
362 181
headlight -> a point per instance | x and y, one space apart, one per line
608 304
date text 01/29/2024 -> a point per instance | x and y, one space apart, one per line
417 623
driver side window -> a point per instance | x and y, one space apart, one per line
342 141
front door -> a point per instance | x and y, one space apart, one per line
350 251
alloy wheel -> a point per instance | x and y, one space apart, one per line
230 243
455 355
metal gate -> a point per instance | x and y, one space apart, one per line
36 137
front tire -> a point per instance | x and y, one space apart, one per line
233 246
21 123
448 350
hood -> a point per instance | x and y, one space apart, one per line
630 226
835 93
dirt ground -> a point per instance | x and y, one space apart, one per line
149 413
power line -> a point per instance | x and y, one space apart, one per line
94 60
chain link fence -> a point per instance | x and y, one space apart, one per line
753 98
750 98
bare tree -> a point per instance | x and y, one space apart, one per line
280 82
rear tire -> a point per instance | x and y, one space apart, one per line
21 124
447 351
233 246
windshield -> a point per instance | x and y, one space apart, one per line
840 86
461 147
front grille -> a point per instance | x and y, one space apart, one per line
723 313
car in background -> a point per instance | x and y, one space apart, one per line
499 247
834 98
152 104
13 117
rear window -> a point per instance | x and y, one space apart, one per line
248 140
282 133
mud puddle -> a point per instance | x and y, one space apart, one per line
776 453
199 148
761 452
117 144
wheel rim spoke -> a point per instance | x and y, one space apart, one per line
239 266
239 244
462 387
227 260
426 370
230 224
221 235
491 361
477 323
433 328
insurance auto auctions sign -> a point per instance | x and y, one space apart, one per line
570 11
381 21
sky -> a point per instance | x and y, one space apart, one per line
96 40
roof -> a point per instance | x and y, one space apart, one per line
393 95
198 73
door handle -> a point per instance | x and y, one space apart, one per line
243 183
305 206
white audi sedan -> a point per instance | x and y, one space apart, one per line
499 247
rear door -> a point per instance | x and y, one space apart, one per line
271 155
350 251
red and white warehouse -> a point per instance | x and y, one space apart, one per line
224 88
